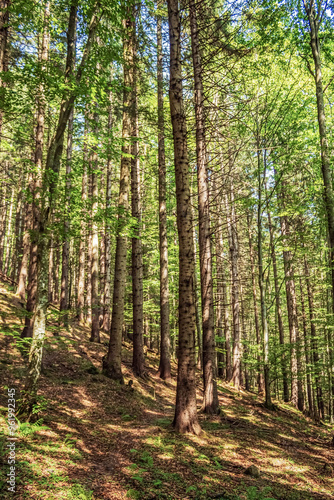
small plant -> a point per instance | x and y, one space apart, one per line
27 428
253 493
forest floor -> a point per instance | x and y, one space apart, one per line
97 440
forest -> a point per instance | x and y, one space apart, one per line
167 249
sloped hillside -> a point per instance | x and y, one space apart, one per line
95 439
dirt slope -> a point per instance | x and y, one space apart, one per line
95 439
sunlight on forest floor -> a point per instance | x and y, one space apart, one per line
95 439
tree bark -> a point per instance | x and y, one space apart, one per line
107 283
164 370
64 292
185 419
137 249
83 235
112 365
210 396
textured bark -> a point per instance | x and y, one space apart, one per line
234 255
4 24
314 19
17 246
9 236
137 251
112 364
279 314
64 291
107 282
210 396
36 186
22 279
164 370
185 419
307 352
83 236
94 260
314 344
296 396
264 321
260 380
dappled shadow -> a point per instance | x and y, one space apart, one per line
111 440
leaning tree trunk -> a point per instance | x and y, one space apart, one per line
164 370
36 186
210 396
112 364
185 419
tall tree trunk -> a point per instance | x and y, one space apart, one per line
314 19
260 380
107 282
185 419
314 343
137 249
233 244
64 292
279 313
306 350
296 397
9 233
94 261
210 397
164 370
4 22
264 321
112 364
36 185
83 233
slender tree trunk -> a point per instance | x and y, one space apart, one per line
210 398
279 314
112 364
306 350
137 249
64 292
260 379
314 343
164 370
83 234
107 283
185 419
264 321
233 244
292 313
9 233
36 186
4 24
94 256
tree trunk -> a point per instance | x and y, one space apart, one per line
94 260
83 235
233 244
210 396
314 344
4 22
296 397
185 419
137 249
307 356
64 295
164 370
36 186
112 364
260 380
279 314
107 282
